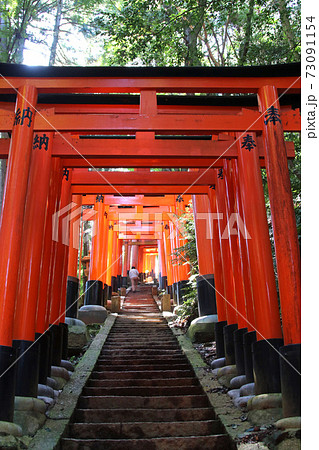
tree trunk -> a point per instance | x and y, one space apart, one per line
285 22
191 37
56 33
246 42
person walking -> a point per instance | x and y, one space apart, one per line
133 274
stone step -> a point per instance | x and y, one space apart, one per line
114 402
147 391
145 368
143 415
219 442
191 381
133 374
130 346
144 347
133 361
132 430
141 351
128 339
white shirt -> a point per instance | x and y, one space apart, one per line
133 273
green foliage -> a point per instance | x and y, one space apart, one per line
198 32
188 311
294 167
16 18
187 253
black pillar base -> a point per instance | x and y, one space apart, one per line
7 382
94 293
65 334
290 379
160 284
206 295
219 337
114 284
248 339
105 292
174 291
109 292
72 294
164 282
27 376
119 281
124 281
181 291
45 362
266 366
229 343
56 344
239 350
169 290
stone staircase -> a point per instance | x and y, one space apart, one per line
143 393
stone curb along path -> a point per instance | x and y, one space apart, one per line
227 413
48 437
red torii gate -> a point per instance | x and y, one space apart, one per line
234 135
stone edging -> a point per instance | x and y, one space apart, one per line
48 437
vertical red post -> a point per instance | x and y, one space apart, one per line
167 256
205 281
48 252
243 248
29 267
282 214
59 274
124 266
232 233
286 248
268 328
94 286
73 279
115 256
230 296
11 224
217 261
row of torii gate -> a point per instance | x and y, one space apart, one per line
65 124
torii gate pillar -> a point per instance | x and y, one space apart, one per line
11 237
286 248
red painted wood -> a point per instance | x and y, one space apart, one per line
11 224
32 243
283 220
260 257
160 84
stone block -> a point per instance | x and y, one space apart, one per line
289 423
166 302
10 428
78 335
202 329
233 394
265 401
92 314
247 389
67 365
116 304
57 371
241 402
123 291
29 414
238 382
45 391
218 363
